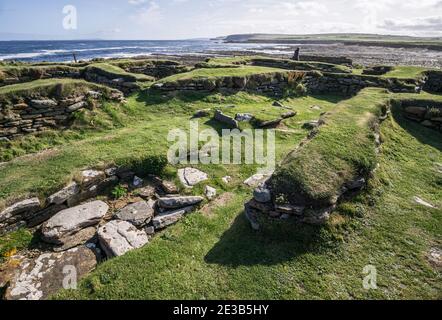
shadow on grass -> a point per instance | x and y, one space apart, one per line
425 135
276 242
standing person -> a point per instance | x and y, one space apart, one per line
296 56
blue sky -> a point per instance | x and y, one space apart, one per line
181 19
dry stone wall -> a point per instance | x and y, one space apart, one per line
31 114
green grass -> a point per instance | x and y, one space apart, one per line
210 73
48 87
408 72
115 71
220 257
14 241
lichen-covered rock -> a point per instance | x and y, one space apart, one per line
171 217
91 177
225 119
210 192
179 202
139 214
37 279
64 228
190 177
119 237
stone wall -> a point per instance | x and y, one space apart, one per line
352 84
157 69
31 114
433 82
27 74
126 84
272 84
298 65
327 59
427 113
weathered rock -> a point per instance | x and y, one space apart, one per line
37 279
278 104
357 184
43 104
93 191
252 217
137 182
169 187
221 117
171 217
91 177
262 194
311 125
288 115
146 192
227 179
84 236
22 208
44 215
416 111
210 192
119 237
76 106
139 214
65 194
435 258
257 179
290 209
244 117
318 217
111 171
64 226
150 230
259 206
271 123
202 113
179 202
190 177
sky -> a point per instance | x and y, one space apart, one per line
185 19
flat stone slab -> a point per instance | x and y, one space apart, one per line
119 237
67 223
139 214
169 218
178 202
257 179
190 177
29 205
64 194
91 177
37 279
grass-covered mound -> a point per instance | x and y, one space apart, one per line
277 63
49 88
115 72
343 148
209 73
25 73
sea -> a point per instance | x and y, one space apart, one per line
62 51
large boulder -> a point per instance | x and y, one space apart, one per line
119 237
37 279
139 214
190 177
73 226
178 202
